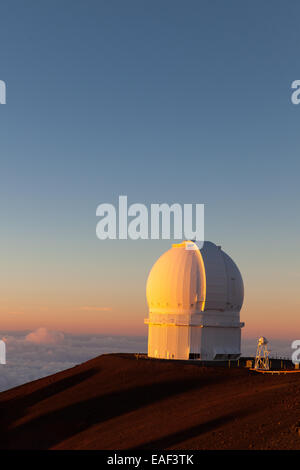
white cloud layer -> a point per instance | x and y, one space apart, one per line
36 354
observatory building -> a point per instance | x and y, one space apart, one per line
194 298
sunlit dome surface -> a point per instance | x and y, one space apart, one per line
191 280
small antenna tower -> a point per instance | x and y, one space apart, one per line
262 355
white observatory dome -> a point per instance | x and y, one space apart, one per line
193 281
194 297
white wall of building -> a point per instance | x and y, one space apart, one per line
204 343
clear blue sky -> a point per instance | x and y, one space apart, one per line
165 101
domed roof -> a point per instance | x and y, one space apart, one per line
188 280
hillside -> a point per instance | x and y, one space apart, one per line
118 402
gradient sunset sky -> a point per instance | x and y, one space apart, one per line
162 101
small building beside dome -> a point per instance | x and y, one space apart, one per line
194 298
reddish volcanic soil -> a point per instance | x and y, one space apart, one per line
118 402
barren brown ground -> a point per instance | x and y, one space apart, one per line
118 402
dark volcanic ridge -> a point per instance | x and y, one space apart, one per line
117 401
